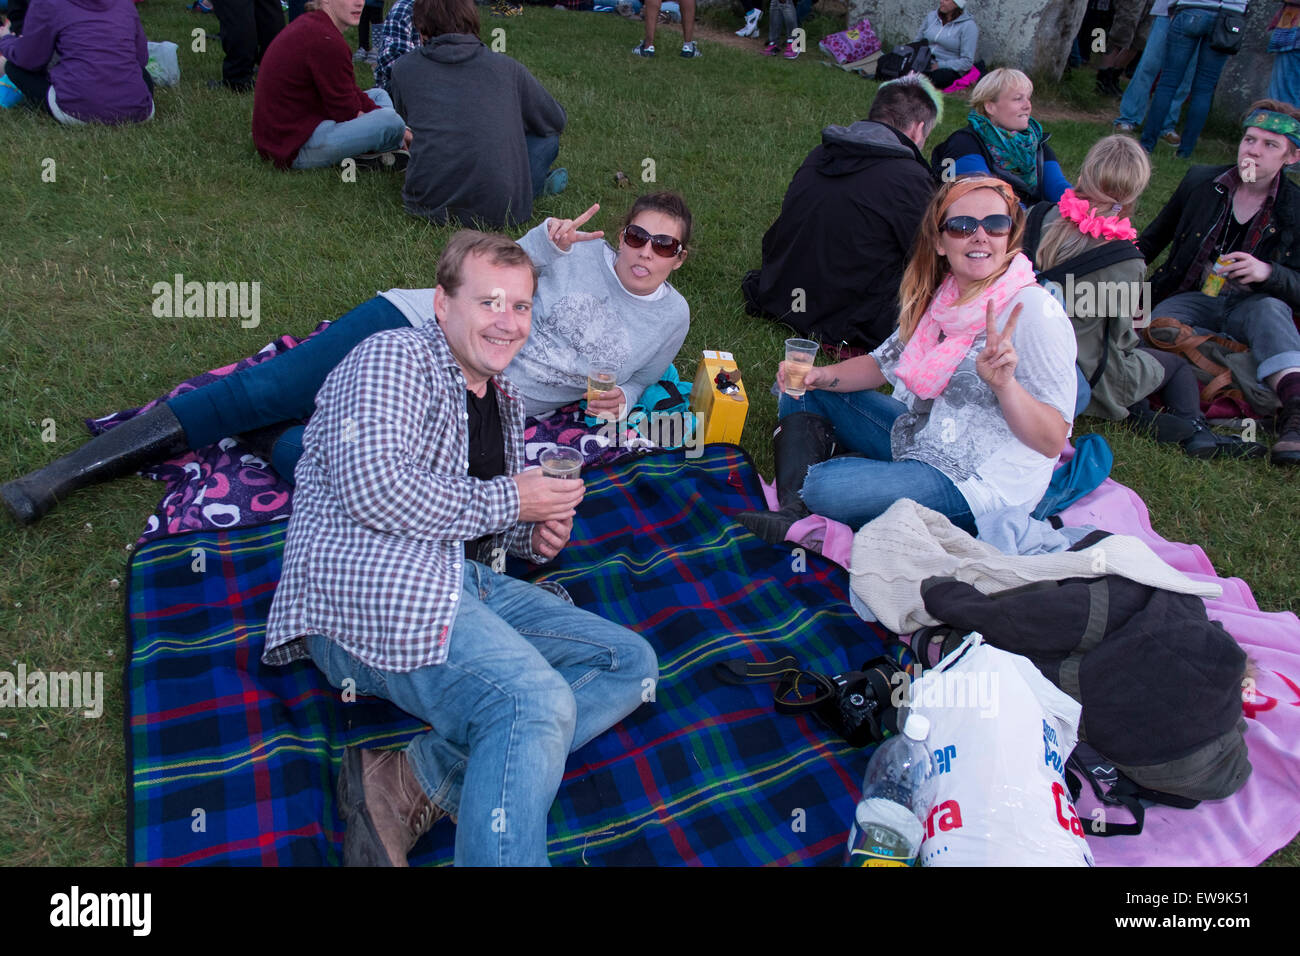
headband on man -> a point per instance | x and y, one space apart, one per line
1274 122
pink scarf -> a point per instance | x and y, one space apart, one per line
927 364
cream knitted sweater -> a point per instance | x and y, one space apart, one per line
893 554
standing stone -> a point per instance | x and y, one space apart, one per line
1030 35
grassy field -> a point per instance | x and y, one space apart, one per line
97 216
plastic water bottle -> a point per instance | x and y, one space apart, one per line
897 792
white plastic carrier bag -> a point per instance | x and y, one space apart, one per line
1001 734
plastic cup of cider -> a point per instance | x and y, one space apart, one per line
560 462
799 355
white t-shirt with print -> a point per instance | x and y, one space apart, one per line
963 432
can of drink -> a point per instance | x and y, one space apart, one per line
1215 280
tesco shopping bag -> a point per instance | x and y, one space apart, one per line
1001 734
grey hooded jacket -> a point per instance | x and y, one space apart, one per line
952 45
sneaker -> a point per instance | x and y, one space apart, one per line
791 53
690 51
1125 128
642 50
1205 443
1172 138
771 49
750 29
393 161
1286 450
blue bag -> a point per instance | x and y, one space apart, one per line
1078 477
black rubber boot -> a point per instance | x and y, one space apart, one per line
1108 82
801 440
144 440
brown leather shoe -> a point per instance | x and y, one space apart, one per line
1286 450
385 807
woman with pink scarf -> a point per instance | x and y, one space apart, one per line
983 376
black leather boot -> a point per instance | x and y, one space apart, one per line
1205 443
144 440
800 441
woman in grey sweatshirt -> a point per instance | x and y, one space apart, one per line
952 35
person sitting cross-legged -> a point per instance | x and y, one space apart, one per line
412 473
308 112
1248 214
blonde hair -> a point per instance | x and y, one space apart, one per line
926 269
992 85
1114 174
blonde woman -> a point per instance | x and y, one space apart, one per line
982 366
1002 139
1088 237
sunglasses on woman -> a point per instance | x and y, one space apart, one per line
665 246
963 227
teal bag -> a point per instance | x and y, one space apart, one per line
1078 477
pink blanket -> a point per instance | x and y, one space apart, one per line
1264 815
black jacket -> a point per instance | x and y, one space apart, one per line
843 236
966 142
1196 205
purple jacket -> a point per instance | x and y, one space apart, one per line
102 54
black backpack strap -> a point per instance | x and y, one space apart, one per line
1034 228
1102 257
1111 797
675 396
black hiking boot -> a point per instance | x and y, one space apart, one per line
801 440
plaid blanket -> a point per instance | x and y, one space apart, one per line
233 762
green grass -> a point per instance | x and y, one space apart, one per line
186 193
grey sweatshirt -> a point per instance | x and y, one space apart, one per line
952 45
581 314
469 110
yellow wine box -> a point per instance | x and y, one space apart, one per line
723 415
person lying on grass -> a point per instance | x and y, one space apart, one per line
308 111
982 366
592 304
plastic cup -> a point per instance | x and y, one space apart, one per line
600 379
561 462
799 355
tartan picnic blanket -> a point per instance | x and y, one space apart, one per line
232 762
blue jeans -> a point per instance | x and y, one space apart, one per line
1188 42
1133 107
1259 321
1284 83
856 490
379 131
542 151
528 679
281 389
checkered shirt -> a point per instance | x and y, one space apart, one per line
397 37
374 556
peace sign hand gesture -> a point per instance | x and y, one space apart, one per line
564 232
996 363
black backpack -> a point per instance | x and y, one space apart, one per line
902 60
1159 682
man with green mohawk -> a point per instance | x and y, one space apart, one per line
833 259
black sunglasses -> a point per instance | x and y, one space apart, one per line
665 246
963 227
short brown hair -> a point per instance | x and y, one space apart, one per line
1273 106
433 18
498 249
668 203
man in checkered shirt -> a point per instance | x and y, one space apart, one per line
412 463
